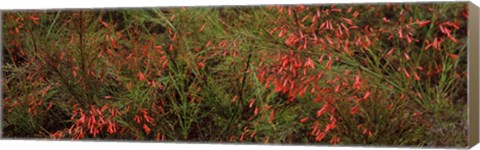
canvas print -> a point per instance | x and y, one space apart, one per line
391 74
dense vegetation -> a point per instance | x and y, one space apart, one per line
380 74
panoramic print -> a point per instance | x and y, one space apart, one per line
351 74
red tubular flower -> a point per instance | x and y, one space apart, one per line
253 134
272 116
334 140
322 110
252 101
146 128
242 136
367 94
256 111
303 120
140 75
320 136
354 110
232 138
234 99
453 56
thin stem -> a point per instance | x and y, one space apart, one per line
80 34
243 82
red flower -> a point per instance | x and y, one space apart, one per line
423 23
146 128
334 140
234 99
252 101
323 110
140 75
320 136
367 94
453 56
201 65
203 27
354 110
34 19
303 120
253 134
272 116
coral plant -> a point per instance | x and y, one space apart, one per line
378 74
